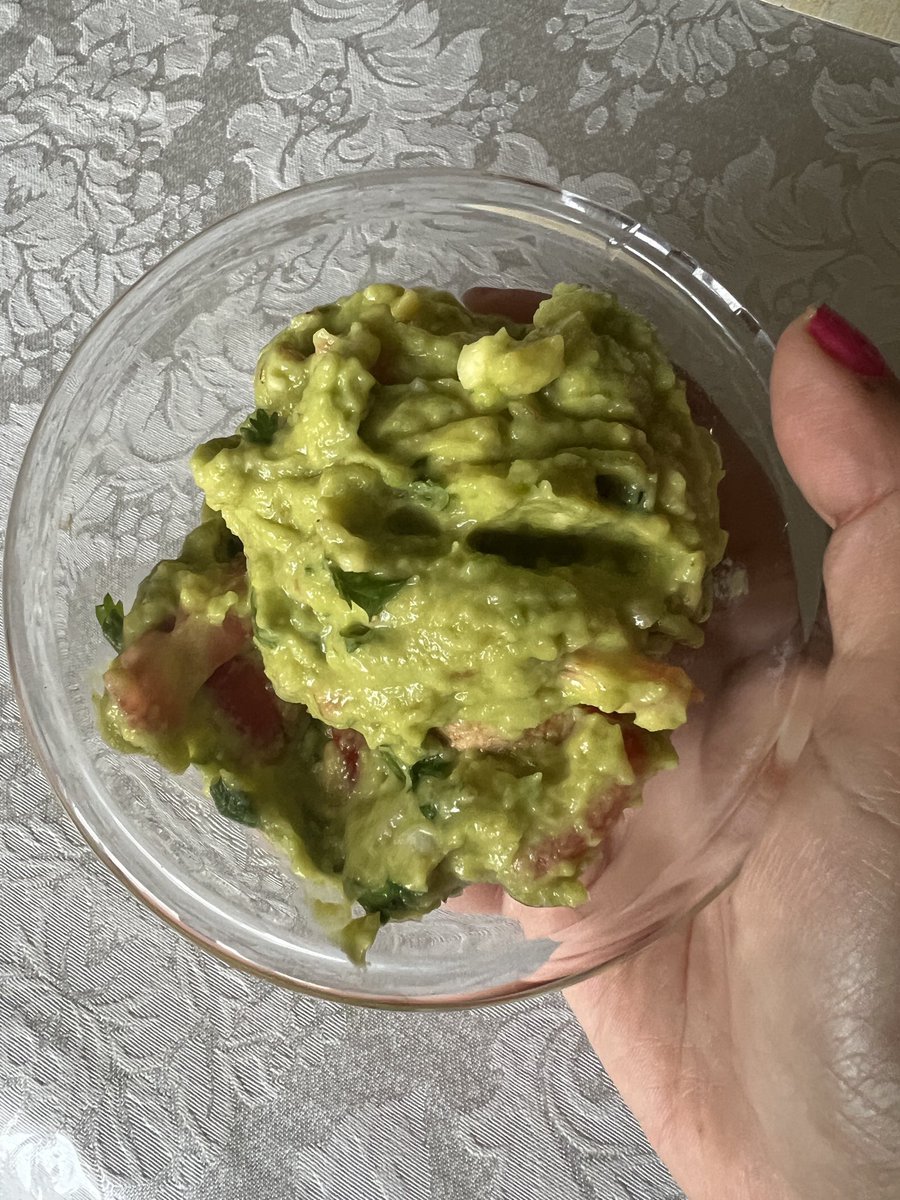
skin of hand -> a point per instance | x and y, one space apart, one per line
759 1043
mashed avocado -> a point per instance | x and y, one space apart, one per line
419 635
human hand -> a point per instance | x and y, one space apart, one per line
759 1043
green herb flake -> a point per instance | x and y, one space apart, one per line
261 635
429 494
233 803
433 767
264 637
390 900
394 765
368 591
614 490
110 618
429 811
355 636
260 427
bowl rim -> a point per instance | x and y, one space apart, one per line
581 210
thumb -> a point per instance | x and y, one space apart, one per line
836 416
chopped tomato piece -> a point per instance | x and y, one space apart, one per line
573 846
609 806
348 744
155 680
245 696
564 847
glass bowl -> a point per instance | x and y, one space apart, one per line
105 491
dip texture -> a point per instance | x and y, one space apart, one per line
420 634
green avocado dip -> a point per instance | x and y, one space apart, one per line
419 634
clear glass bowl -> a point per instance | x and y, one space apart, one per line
105 491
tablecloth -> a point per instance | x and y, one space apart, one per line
133 1066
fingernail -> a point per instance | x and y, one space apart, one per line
843 342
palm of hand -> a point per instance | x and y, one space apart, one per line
755 1043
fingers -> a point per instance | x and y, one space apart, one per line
836 415
838 430
516 303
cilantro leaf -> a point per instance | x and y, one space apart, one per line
261 635
355 635
111 617
618 491
390 900
429 494
394 765
433 767
260 427
369 591
233 802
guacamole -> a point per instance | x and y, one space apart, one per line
419 634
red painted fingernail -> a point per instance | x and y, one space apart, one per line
844 343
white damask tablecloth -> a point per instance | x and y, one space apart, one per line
132 1066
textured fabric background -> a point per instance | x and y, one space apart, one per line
132 1067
